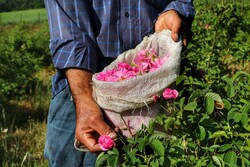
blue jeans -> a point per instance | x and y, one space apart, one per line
60 134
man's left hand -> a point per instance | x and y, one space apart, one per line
171 20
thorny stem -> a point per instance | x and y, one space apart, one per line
126 125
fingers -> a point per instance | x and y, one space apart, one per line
176 27
102 128
89 136
89 139
172 21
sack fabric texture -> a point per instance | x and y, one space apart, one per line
128 103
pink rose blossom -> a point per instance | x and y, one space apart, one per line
170 93
106 142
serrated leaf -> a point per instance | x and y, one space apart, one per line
142 144
158 147
225 147
202 132
158 135
230 158
241 74
214 96
190 106
209 104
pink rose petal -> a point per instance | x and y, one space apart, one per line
106 142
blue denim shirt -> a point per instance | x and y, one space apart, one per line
86 32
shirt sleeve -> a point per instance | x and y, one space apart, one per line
72 41
184 7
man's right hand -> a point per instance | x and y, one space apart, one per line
89 118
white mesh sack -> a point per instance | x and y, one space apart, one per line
138 91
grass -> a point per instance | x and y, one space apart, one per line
24 146
32 15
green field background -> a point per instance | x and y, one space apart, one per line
32 15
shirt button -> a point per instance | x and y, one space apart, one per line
126 14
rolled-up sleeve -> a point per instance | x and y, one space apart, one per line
184 7
72 42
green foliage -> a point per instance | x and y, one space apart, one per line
23 54
221 41
6 5
25 92
210 122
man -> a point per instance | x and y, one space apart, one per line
86 35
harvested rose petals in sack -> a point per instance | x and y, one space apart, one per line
145 61
127 88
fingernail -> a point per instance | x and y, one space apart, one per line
113 135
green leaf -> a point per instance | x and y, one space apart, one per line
154 163
215 146
181 102
179 79
214 96
219 134
202 132
237 117
231 114
142 144
241 74
247 102
130 155
230 87
101 159
158 147
190 106
217 160
225 147
198 93
230 158
113 157
246 108
244 119
158 135
227 104
209 105
168 122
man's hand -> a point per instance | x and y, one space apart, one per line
171 20
89 119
